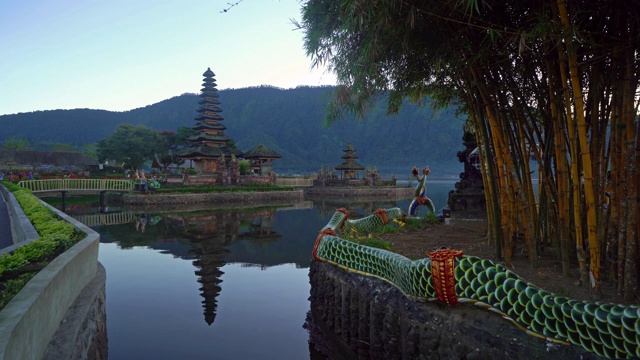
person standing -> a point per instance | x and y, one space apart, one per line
11 176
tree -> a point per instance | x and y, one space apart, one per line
173 141
556 81
130 146
62 147
16 144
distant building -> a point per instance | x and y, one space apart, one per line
261 159
210 149
349 167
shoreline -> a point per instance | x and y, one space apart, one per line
264 197
389 192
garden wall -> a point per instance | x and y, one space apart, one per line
45 305
22 230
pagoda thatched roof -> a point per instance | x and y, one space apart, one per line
263 152
208 117
350 166
208 151
208 137
46 157
204 125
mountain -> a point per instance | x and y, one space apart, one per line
290 121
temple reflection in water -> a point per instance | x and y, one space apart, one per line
209 235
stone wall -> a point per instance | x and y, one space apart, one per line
360 317
249 198
83 334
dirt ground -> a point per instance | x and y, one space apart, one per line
470 237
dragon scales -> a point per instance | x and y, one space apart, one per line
609 330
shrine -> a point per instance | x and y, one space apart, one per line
468 200
261 159
349 167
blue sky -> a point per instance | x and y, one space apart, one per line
123 54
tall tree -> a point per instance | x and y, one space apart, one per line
173 142
130 145
556 80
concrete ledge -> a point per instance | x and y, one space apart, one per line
30 320
22 230
83 333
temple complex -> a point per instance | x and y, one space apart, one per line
349 167
261 159
210 150
349 177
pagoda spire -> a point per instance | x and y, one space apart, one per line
210 144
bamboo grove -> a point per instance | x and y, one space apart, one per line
554 81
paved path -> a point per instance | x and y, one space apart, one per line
6 238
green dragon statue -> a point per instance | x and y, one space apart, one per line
609 330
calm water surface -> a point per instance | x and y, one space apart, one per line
215 284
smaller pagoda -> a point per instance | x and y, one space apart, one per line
261 158
349 167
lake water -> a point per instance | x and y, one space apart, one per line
216 284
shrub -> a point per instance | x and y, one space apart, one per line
56 236
372 237
244 166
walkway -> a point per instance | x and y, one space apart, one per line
6 238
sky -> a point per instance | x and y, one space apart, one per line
120 55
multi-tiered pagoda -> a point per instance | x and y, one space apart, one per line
349 167
210 149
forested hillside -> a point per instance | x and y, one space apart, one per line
290 121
